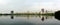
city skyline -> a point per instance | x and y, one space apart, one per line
42 10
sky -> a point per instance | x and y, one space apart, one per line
28 5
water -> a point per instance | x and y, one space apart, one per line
28 20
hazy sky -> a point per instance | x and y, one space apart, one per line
28 5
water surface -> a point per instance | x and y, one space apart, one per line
28 20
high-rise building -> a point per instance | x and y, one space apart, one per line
12 12
42 10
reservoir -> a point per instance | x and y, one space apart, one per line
28 20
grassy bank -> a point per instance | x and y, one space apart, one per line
48 14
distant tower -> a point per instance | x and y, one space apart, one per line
46 11
12 12
28 12
42 10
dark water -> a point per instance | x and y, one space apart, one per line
28 20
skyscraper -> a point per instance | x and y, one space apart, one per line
42 10
12 12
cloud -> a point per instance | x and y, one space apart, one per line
4 2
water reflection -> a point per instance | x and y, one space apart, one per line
46 17
42 18
27 16
28 20
12 17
